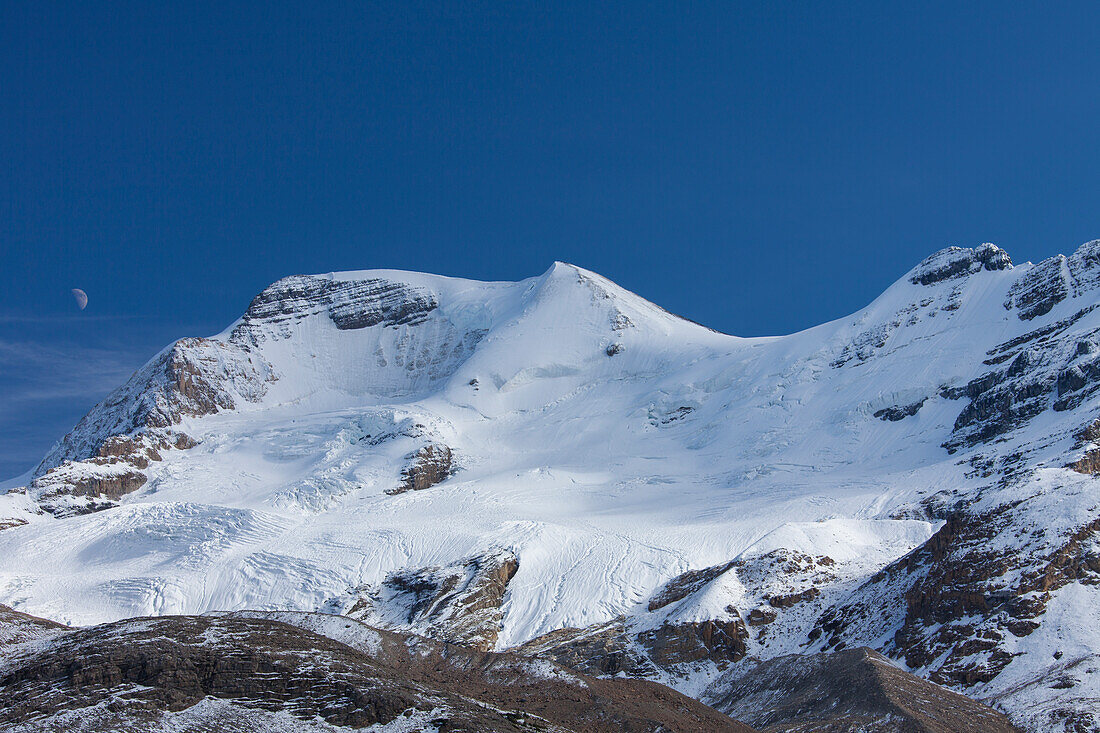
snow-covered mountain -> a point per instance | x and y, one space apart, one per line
557 466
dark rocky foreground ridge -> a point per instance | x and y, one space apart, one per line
311 672
850 690
282 671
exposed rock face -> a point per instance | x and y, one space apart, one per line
459 603
98 482
685 584
105 455
985 580
945 274
852 690
1088 463
113 485
602 649
1055 367
258 669
955 262
763 574
674 644
784 579
427 467
349 304
1053 280
791 599
621 647
1040 290
899 412
761 617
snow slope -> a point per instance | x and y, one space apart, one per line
610 445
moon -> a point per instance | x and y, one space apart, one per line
81 298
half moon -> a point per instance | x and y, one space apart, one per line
81 298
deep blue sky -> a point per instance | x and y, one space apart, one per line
759 168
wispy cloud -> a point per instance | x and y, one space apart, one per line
70 318
34 371
46 387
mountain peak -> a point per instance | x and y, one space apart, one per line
955 262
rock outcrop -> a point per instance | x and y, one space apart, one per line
459 603
956 262
622 646
349 304
98 482
1055 367
427 467
1053 280
851 690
